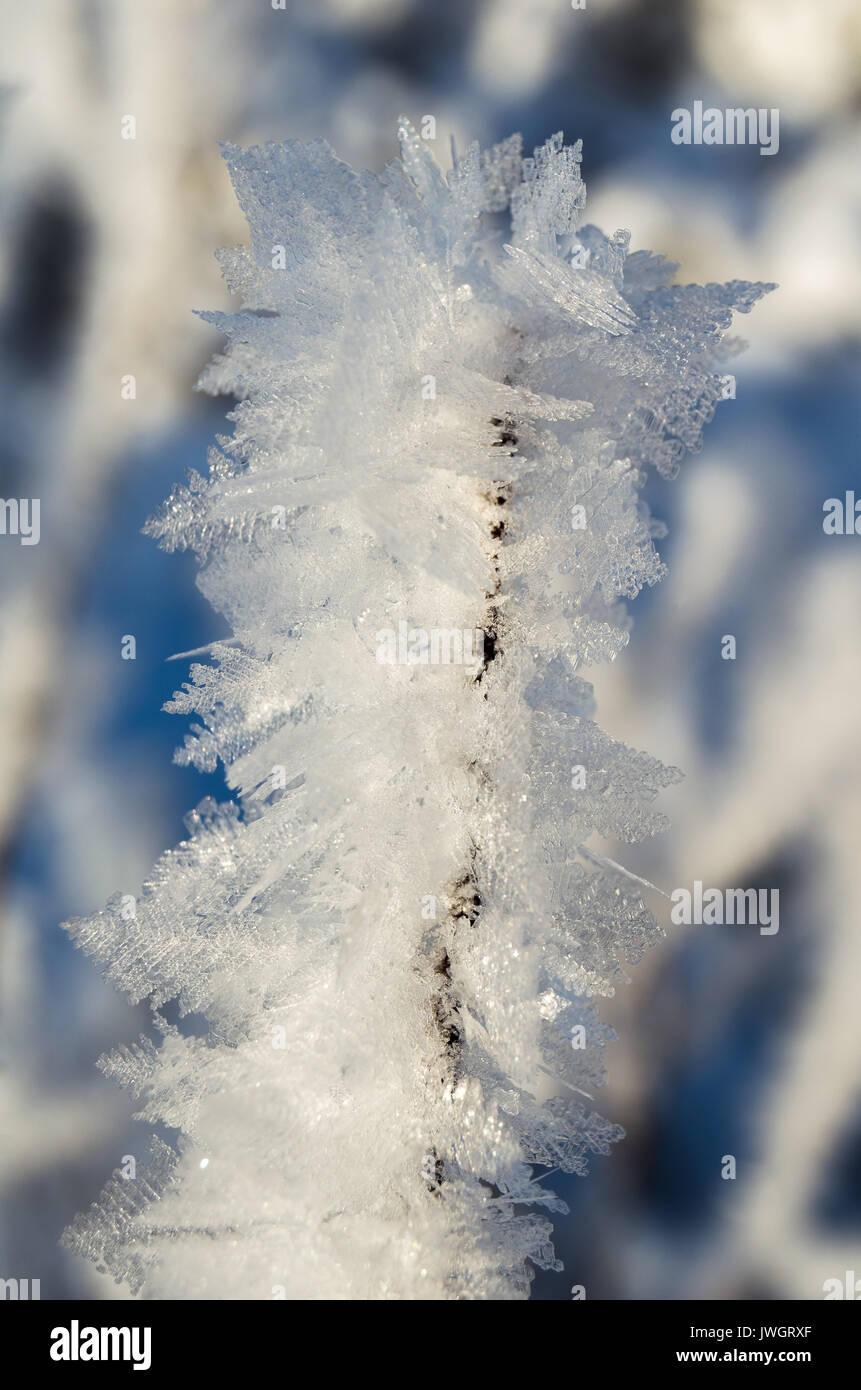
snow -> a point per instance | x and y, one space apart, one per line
395 930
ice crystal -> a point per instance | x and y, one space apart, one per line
394 934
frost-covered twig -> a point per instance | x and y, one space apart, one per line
420 531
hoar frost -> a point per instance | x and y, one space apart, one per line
448 393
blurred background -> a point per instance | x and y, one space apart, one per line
730 1043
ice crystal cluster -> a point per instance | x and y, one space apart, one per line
449 391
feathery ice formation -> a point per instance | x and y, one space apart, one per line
395 933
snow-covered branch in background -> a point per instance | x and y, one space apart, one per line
421 531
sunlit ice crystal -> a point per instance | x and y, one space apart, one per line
421 532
